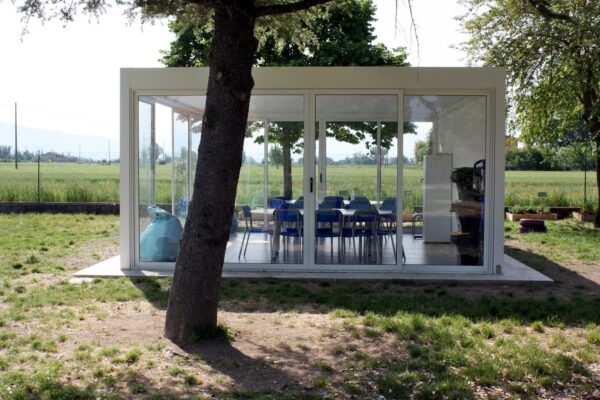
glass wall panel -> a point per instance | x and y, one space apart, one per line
356 170
181 156
444 179
145 162
269 215
163 127
164 172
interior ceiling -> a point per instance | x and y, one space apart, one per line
345 108
430 108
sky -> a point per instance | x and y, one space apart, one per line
66 78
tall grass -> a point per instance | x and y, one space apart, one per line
71 182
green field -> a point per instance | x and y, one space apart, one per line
100 183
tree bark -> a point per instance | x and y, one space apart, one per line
194 294
286 149
597 218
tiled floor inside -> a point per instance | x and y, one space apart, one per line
416 251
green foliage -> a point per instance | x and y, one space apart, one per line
335 34
422 148
276 156
538 158
552 63
550 51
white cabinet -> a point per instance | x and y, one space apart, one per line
437 198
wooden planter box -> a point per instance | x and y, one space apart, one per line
544 216
564 212
585 217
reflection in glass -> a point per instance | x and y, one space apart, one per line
444 188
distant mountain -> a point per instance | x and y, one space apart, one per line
33 139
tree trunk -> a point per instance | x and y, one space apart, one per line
194 294
287 168
597 218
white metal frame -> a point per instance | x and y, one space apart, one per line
327 80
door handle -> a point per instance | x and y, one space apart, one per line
311 184
321 177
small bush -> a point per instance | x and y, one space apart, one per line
32 259
132 356
17 265
190 380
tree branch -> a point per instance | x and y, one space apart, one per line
288 8
542 7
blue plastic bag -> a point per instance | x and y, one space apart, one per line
161 238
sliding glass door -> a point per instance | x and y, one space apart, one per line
356 168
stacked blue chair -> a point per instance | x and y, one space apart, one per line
387 225
328 225
290 222
363 226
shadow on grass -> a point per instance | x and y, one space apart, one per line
567 281
572 300
155 290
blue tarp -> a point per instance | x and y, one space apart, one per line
160 240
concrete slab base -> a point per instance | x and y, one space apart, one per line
513 271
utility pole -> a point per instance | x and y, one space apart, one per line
109 152
79 158
16 150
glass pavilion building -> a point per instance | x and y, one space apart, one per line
344 169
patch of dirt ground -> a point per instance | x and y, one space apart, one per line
286 352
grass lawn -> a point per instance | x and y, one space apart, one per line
292 339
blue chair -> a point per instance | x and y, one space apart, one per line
252 229
362 199
337 201
358 205
290 222
299 204
328 205
387 225
329 225
275 203
363 227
